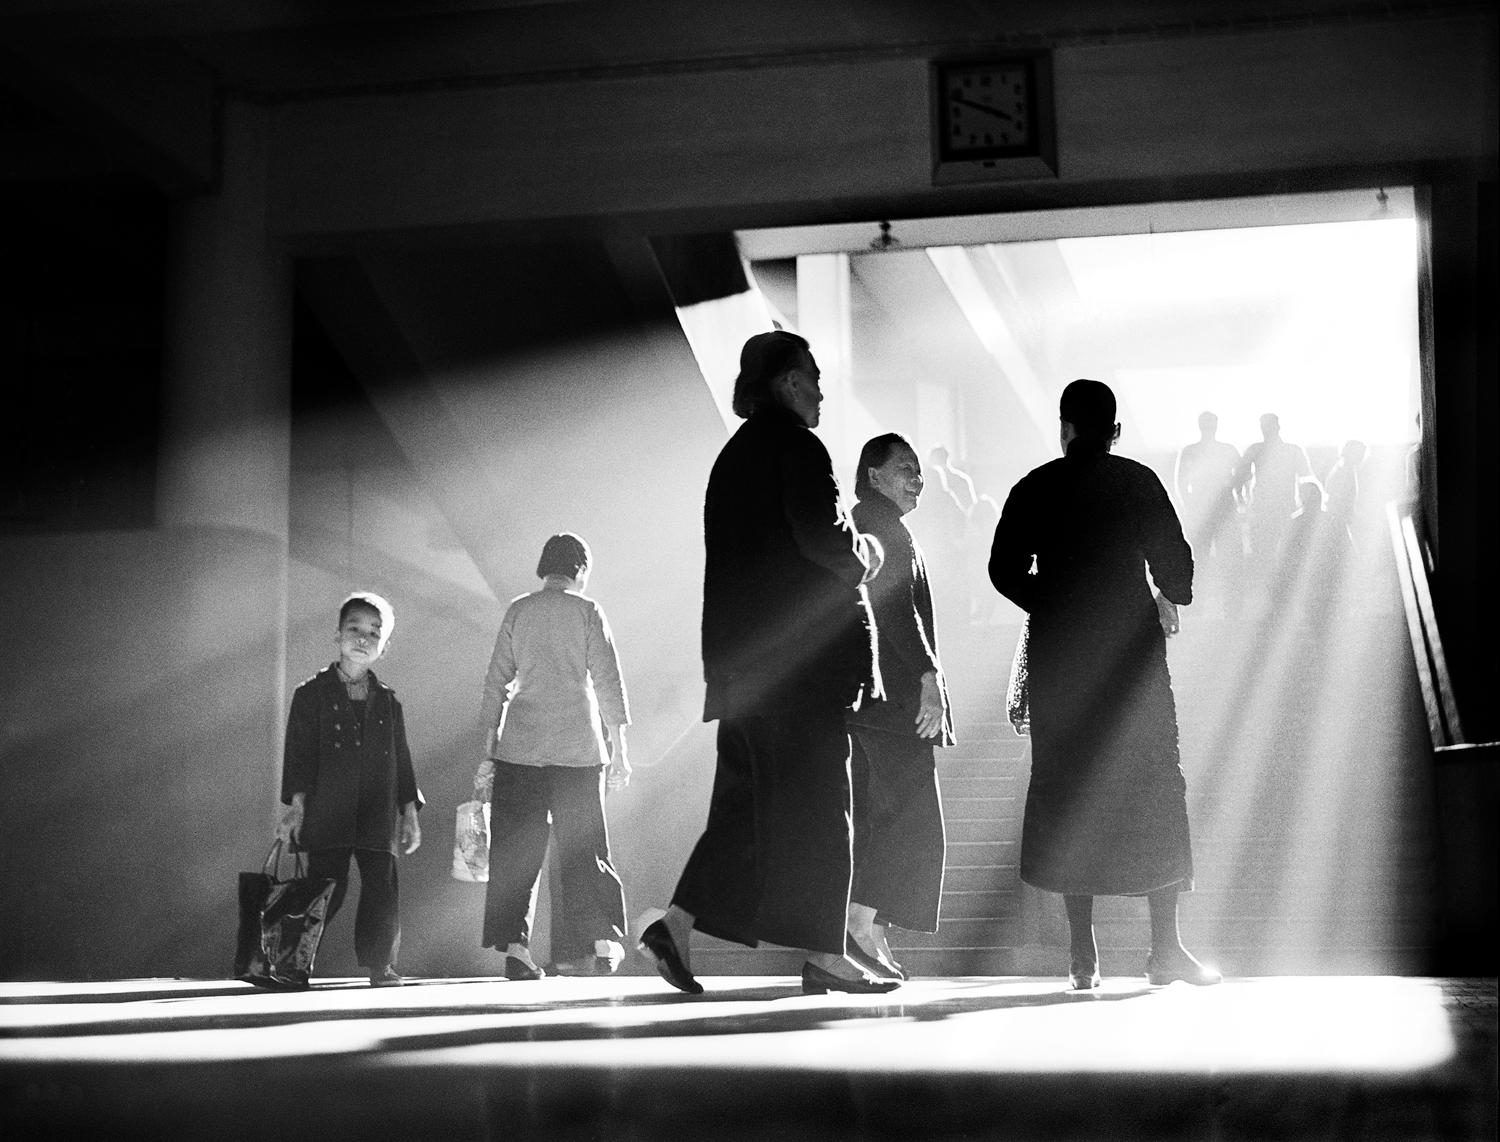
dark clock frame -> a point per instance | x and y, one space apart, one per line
1036 158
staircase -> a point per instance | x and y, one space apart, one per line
1304 746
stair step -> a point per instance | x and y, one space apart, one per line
981 877
989 829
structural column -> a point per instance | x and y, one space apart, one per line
224 457
824 318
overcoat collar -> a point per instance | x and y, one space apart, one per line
881 506
330 678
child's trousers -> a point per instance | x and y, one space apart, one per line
377 921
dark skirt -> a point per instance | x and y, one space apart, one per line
898 828
773 863
1106 811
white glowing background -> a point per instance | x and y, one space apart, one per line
1339 360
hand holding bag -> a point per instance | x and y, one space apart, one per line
281 923
471 842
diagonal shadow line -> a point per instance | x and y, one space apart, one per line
707 1023
775 1021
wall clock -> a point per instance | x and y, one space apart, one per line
992 119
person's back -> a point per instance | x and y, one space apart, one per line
1278 466
557 643
1094 521
1205 477
1343 484
1106 806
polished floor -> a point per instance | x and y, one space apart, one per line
752 1058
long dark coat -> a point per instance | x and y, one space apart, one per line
785 621
902 602
353 764
1106 811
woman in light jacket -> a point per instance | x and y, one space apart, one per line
553 681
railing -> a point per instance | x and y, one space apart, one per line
1413 566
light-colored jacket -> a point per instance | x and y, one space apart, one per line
553 677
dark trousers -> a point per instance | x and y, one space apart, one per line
377 919
899 841
773 863
527 799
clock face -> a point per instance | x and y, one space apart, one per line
986 110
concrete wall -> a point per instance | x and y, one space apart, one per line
851 138
143 673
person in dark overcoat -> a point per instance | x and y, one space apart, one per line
787 649
899 842
1106 810
348 784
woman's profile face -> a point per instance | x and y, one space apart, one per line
799 390
899 479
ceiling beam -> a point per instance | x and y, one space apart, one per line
145 105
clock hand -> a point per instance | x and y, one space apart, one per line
981 107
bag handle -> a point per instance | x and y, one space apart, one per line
272 867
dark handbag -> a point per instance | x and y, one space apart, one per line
281 923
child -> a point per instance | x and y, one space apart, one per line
346 774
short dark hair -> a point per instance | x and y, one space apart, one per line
564 554
877 451
1089 406
765 358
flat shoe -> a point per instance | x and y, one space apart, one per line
657 942
873 964
817 981
588 966
1187 971
519 970
385 977
1083 976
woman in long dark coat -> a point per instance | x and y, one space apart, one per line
1106 812
899 840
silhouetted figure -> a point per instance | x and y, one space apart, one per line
554 679
787 650
1268 474
1205 479
1313 553
942 525
348 784
898 814
1343 486
982 523
1106 811
955 481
